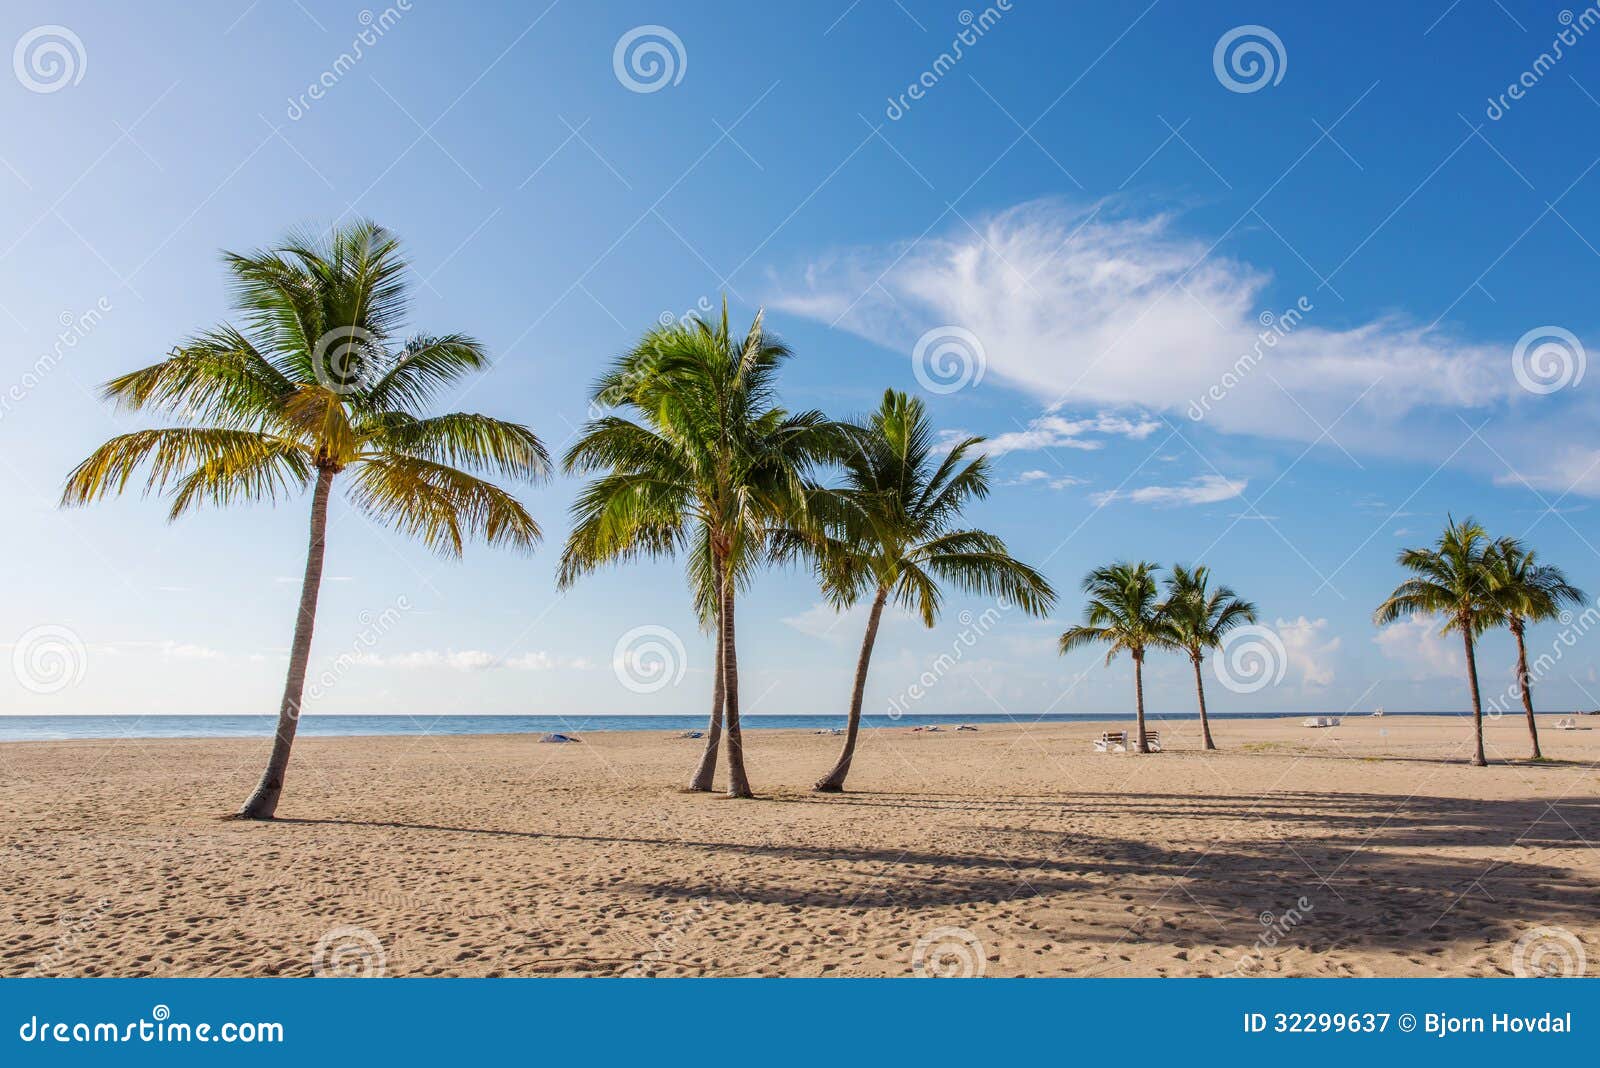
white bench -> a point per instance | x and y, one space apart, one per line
1118 741
1112 742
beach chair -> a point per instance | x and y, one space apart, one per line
1112 742
1320 721
1153 740
1567 724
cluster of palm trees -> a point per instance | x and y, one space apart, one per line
1126 612
695 459
1478 584
698 461
690 456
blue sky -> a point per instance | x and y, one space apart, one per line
1078 200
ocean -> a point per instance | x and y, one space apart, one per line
64 728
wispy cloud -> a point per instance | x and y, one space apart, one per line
1056 432
1206 489
1309 650
1045 478
1111 312
471 660
1420 650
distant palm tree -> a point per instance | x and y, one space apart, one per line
315 384
1123 613
1527 591
1451 580
1197 619
890 531
709 465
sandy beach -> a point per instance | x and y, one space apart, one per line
1370 849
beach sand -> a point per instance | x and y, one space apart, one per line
1370 849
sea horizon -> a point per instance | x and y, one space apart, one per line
87 726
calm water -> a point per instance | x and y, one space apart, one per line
56 728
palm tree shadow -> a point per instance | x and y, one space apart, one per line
1384 871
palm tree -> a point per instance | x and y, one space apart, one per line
1122 613
890 531
1452 580
315 384
1198 618
1527 592
709 465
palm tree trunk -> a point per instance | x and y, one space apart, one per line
1200 688
738 783
1525 688
1478 759
706 773
833 782
263 804
1138 693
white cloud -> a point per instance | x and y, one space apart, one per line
168 649
1309 649
468 660
1417 646
824 621
1055 432
1206 489
1044 478
1110 312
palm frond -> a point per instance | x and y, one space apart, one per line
439 505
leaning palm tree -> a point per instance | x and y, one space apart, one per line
316 383
1452 580
1527 591
1123 613
890 531
707 465
1197 619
